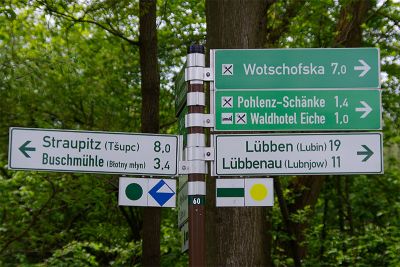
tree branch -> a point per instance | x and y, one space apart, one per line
352 16
110 29
274 34
167 124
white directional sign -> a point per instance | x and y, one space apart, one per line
185 237
285 154
83 151
183 200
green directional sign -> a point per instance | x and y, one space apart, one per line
182 130
180 89
296 68
298 110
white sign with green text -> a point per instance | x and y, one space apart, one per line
90 151
286 154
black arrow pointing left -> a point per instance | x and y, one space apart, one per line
24 148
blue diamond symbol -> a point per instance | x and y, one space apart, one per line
161 192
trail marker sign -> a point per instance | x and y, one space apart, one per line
147 192
244 192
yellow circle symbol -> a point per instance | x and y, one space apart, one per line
258 192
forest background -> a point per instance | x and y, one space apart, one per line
109 66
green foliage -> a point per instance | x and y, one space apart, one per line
360 226
56 209
314 26
93 254
371 229
75 65
171 254
76 71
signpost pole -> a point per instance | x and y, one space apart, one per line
197 167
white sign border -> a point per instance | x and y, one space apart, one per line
90 132
214 166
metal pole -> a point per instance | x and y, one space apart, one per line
197 167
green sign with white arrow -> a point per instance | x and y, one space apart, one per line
296 68
298 110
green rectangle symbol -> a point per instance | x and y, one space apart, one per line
230 192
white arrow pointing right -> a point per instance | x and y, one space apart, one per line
366 109
365 68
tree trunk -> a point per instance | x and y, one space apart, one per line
241 24
150 82
349 29
353 14
236 236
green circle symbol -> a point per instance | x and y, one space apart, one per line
134 191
